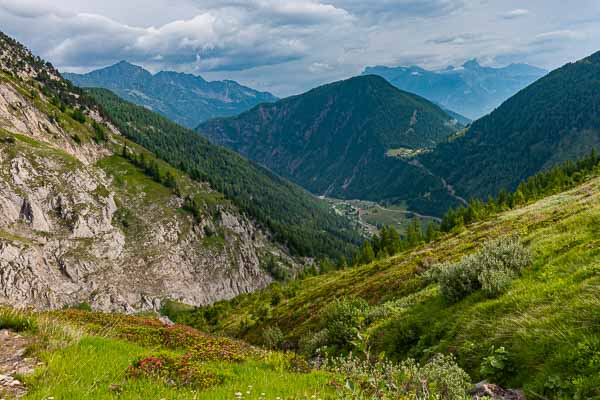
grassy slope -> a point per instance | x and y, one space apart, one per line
548 321
88 356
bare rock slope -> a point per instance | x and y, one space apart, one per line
80 223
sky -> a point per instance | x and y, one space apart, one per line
288 47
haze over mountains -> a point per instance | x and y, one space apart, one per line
471 90
351 139
184 98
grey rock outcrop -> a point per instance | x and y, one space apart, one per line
74 228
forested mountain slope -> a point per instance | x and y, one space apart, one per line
184 98
471 90
349 139
306 225
555 119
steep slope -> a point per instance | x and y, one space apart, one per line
349 139
306 225
81 224
553 120
87 216
471 90
184 98
539 333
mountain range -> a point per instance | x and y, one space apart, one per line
471 90
364 139
356 138
184 98
108 208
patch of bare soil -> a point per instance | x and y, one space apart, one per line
14 363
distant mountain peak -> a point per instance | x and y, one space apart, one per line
472 90
185 98
341 140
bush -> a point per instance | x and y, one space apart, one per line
100 135
491 269
311 342
439 379
78 116
272 337
343 320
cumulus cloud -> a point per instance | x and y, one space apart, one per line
233 36
28 8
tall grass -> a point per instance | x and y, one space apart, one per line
17 320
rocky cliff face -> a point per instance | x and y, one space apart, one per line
79 223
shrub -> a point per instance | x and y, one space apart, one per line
173 369
311 342
78 116
343 320
494 282
272 337
459 280
99 133
439 379
491 269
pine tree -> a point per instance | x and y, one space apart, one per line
431 233
367 254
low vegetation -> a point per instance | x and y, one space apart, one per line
89 355
513 298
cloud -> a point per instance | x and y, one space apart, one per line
560 35
462 39
289 46
28 8
318 67
399 8
276 12
232 36
516 13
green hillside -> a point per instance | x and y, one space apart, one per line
553 120
308 226
536 328
353 139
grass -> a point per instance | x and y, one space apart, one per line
90 355
547 322
18 321
95 368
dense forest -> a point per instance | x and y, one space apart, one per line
346 140
308 226
553 120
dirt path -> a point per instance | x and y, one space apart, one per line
13 361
